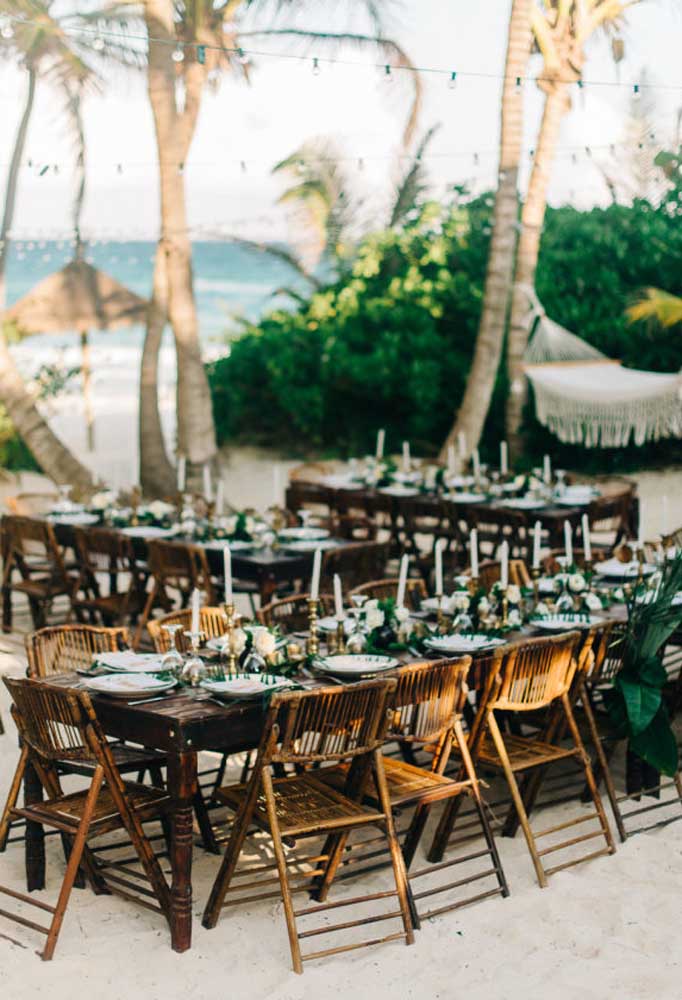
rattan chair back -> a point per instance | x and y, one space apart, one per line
536 672
428 698
382 590
63 649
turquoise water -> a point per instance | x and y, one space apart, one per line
229 281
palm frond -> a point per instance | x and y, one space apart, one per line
412 184
280 253
658 305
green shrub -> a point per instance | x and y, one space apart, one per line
14 454
389 342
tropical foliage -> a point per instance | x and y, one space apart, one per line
390 342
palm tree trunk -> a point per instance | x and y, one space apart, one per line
51 454
196 433
557 103
481 381
157 477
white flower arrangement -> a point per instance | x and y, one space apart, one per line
460 601
577 583
159 509
514 618
402 614
514 594
592 602
264 642
103 499
374 616
484 606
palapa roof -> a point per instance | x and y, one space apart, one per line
79 297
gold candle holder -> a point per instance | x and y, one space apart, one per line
505 608
440 617
134 504
313 642
229 612
210 518
536 572
340 636
473 586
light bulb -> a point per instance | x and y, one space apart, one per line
518 86
388 76
178 54
635 92
452 82
316 67
98 43
243 57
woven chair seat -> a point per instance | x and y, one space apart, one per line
39 587
127 758
523 752
111 604
67 810
304 805
407 783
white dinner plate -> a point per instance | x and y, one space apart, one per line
565 623
294 547
233 545
149 531
617 570
524 503
398 490
430 605
75 518
303 534
246 686
128 685
355 664
128 662
465 497
450 644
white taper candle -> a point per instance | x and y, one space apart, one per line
568 543
220 498
476 458
587 543
315 582
462 444
537 536
182 473
196 597
473 550
381 440
338 598
208 485
439 566
406 456
402 581
504 565
504 467
547 469
451 459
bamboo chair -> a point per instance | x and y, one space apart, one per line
423 524
427 712
327 725
490 571
381 590
57 725
355 563
497 525
176 566
61 649
291 614
212 622
534 675
31 550
110 554
608 655
32 504
611 517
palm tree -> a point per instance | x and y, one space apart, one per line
478 393
562 29
44 50
176 87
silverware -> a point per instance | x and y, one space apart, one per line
146 701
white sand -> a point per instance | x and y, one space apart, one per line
609 928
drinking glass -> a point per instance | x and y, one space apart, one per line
172 661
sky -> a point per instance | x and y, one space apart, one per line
245 129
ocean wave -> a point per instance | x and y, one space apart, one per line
231 287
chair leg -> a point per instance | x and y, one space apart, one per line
407 905
282 872
589 776
516 796
73 865
15 788
201 813
602 760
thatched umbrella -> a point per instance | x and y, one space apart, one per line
81 298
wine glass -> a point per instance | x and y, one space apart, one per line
64 496
194 668
172 660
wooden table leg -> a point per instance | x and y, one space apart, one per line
182 784
35 833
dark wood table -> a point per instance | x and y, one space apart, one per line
268 568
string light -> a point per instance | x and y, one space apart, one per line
316 66
178 54
98 43
452 82
635 92
242 56
388 75
201 54
517 85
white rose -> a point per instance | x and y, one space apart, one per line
374 619
238 641
371 605
229 524
158 509
576 583
460 601
513 594
104 499
462 582
514 618
593 603
484 606
541 608
264 643
250 524
448 605
402 614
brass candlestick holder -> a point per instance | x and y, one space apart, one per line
135 499
473 586
440 617
536 572
340 636
505 609
313 641
231 625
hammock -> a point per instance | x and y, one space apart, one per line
585 398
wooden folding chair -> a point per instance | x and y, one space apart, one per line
176 566
490 571
61 649
381 590
427 711
608 653
355 563
290 614
328 725
212 623
30 550
107 555
57 725
534 675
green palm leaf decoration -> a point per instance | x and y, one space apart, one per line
635 703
